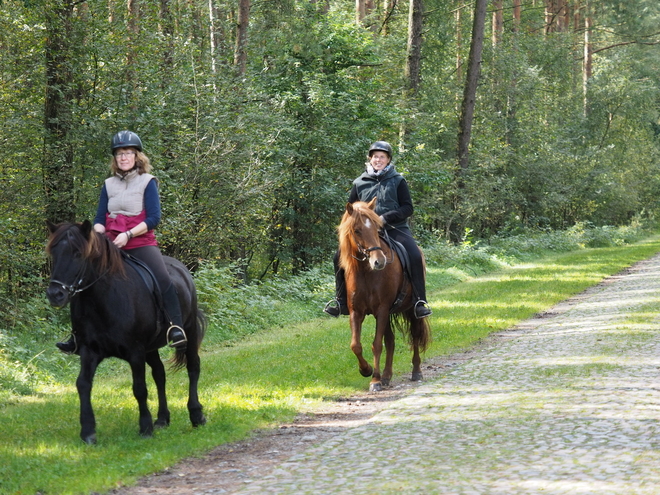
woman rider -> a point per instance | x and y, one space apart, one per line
380 180
127 213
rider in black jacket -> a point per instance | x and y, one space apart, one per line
394 205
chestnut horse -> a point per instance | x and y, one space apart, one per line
376 284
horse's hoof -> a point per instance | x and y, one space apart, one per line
197 417
417 376
147 432
385 382
366 373
375 387
89 439
162 423
199 422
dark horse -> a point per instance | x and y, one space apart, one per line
376 284
114 314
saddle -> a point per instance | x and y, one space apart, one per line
401 252
151 283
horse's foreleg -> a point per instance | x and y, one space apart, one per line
417 329
88 364
194 407
140 392
159 376
356 344
382 326
389 356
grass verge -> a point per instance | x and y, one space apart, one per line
266 379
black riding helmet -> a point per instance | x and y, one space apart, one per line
125 139
381 146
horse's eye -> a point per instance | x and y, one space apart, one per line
358 232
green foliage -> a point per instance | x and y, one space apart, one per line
235 310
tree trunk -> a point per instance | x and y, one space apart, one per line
212 43
414 50
498 22
57 160
240 52
516 15
459 45
588 54
131 56
471 82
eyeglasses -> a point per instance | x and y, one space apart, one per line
122 155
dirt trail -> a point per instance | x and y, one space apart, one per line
231 467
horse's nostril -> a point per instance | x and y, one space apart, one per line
56 297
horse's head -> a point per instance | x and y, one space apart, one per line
78 255
67 247
358 235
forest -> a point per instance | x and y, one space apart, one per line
507 116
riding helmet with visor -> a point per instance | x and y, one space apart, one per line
381 146
125 139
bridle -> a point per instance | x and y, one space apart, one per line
365 251
75 287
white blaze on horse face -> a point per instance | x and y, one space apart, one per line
367 223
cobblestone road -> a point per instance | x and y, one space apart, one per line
568 405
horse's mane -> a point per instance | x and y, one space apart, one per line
96 248
347 245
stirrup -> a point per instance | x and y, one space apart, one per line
335 308
182 343
422 310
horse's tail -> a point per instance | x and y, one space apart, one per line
179 360
417 331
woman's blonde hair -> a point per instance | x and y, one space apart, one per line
142 163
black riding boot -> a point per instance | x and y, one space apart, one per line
338 306
419 290
68 346
176 337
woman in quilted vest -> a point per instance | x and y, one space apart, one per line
381 180
128 212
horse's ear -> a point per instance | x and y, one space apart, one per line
349 208
86 228
372 204
51 226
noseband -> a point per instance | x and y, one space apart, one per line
74 288
365 251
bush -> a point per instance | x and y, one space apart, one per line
235 309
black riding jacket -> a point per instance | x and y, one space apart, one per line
394 203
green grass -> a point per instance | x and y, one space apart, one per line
266 379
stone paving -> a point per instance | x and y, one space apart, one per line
569 405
